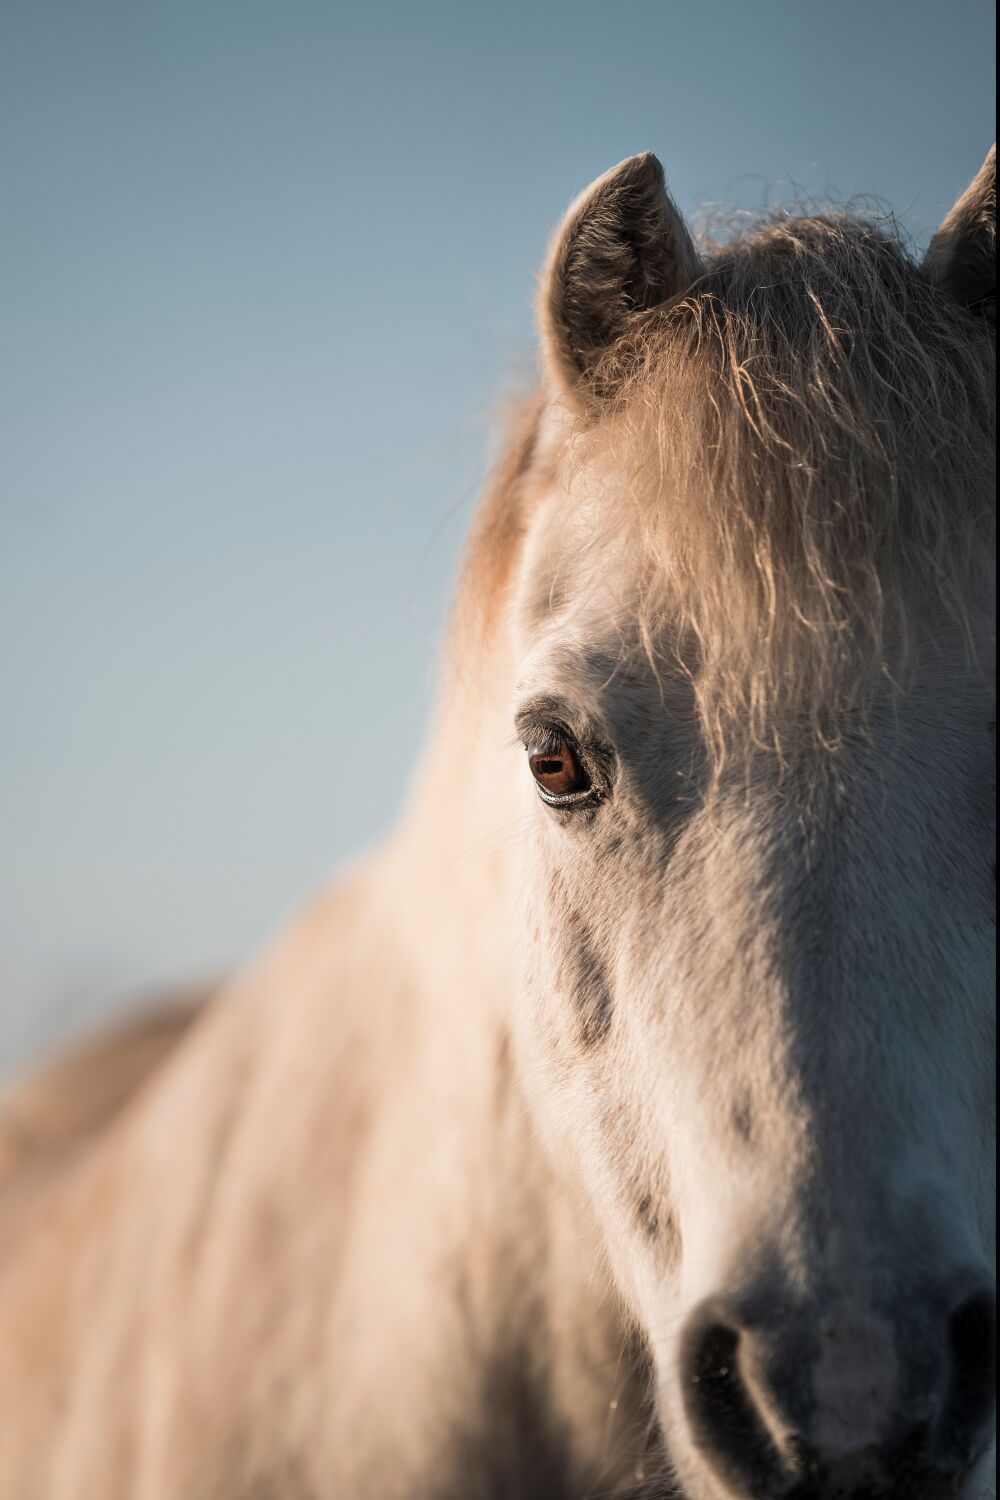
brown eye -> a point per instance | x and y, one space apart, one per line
557 770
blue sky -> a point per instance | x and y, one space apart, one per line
267 277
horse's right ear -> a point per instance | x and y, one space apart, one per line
962 255
622 248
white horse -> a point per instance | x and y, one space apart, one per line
625 1124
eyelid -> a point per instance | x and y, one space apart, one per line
548 716
569 799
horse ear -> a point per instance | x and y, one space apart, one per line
962 255
622 248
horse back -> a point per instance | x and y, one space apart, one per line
52 1113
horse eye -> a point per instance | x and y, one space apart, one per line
557 770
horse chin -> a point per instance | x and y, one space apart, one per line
692 1477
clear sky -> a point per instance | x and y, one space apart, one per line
266 274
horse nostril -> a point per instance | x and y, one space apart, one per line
968 1404
775 1415
724 1420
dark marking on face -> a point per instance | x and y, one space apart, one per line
644 1183
657 1223
586 981
741 1114
612 844
649 1219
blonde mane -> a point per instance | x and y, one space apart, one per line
801 452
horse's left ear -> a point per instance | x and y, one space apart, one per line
622 248
962 255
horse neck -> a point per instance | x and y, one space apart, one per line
457 875
459 841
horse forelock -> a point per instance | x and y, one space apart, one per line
795 462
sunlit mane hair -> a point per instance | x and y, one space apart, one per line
806 444
802 449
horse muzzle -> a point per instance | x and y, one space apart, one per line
784 1405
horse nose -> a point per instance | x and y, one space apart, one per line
805 1410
